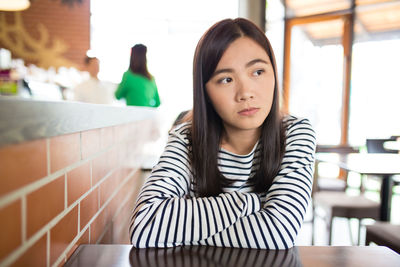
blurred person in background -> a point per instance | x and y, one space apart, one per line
138 86
93 90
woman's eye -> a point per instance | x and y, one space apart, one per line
225 80
258 72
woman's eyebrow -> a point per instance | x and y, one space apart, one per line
221 71
249 64
254 61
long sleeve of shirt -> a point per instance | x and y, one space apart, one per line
168 214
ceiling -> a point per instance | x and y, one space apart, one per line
375 19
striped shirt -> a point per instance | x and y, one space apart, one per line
168 213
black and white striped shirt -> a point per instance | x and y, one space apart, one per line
168 214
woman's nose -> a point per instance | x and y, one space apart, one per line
244 91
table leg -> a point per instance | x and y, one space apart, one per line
386 197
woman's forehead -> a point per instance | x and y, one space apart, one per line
242 51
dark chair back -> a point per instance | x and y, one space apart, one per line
376 146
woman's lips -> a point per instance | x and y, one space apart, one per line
248 111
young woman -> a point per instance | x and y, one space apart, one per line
138 86
237 174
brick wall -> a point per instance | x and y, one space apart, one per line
68 23
60 192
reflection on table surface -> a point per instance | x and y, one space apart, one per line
199 256
213 256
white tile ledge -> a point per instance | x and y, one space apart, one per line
25 120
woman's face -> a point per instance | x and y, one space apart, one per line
241 88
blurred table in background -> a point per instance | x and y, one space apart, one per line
392 145
380 165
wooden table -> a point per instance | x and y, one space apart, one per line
204 256
380 165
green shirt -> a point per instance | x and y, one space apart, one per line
138 90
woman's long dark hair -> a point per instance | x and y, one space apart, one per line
138 62
207 125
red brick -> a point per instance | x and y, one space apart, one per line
62 234
10 228
83 240
44 204
78 182
121 224
90 143
22 164
107 237
123 154
112 159
107 187
100 167
134 184
97 227
89 207
35 255
106 137
64 151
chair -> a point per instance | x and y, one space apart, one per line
384 234
329 183
337 203
376 146
340 204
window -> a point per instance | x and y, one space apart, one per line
375 87
345 107
316 77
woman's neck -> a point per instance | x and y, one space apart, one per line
240 142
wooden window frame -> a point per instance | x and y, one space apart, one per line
348 16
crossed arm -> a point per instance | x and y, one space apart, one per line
166 215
